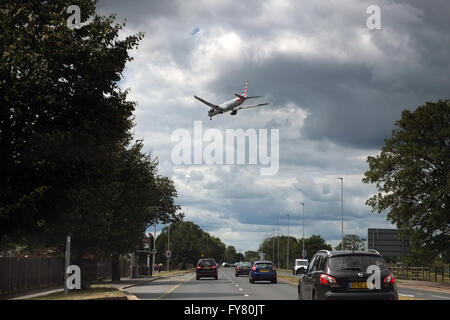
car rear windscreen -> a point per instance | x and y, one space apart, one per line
245 264
355 262
207 263
301 263
263 265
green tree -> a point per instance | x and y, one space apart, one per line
251 256
314 244
188 244
352 242
412 174
62 118
270 245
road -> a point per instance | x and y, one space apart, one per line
227 287
407 292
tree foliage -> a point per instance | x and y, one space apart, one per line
68 164
412 174
352 242
188 243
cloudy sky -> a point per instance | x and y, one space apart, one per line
335 89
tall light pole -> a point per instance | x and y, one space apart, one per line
287 251
168 247
303 224
273 246
154 248
278 263
342 211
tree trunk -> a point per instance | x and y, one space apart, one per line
115 268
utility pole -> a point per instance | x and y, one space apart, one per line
287 251
303 224
154 248
278 263
342 211
168 248
273 245
149 254
66 264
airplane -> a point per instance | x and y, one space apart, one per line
232 105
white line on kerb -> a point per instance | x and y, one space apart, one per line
442 297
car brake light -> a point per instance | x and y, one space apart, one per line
213 267
326 279
389 279
254 268
238 268
199 267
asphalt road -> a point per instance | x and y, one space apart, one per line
407 292
227 287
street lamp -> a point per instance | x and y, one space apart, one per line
342 211
303 224
287 253
278 263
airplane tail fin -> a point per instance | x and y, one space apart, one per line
244 94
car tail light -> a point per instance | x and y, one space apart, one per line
213 267
254 268
389 279
326 279
199 267
238 268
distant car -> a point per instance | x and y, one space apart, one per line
243 268
343 275
299 265
206 268
263 270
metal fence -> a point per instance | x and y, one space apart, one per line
433 273
17 274
21 274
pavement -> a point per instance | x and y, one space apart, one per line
123 285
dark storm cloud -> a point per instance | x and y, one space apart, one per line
315 56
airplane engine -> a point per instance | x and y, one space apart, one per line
233 113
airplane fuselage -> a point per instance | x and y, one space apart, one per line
225 107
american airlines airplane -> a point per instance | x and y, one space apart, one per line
232 105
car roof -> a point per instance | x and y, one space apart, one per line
349 252
263 261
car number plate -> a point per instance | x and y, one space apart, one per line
357 285
206 268
264 270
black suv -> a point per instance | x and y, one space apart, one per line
344 274
206 268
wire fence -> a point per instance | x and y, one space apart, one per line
432 273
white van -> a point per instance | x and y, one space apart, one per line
299 264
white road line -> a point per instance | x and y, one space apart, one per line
406 295
442 297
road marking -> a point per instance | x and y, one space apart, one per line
442 297
245 295
406 295
174 288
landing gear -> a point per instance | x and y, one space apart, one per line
210 118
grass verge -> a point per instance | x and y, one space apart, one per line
95 292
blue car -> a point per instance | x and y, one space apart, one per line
263 271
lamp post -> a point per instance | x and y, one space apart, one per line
287 251
342 211
278 263
303 224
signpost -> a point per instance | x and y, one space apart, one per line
66 264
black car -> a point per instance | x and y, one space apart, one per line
243 268
344 274
206 268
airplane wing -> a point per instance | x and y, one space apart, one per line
248 107
245 98
214 106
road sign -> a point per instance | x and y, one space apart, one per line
388 242
168 253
